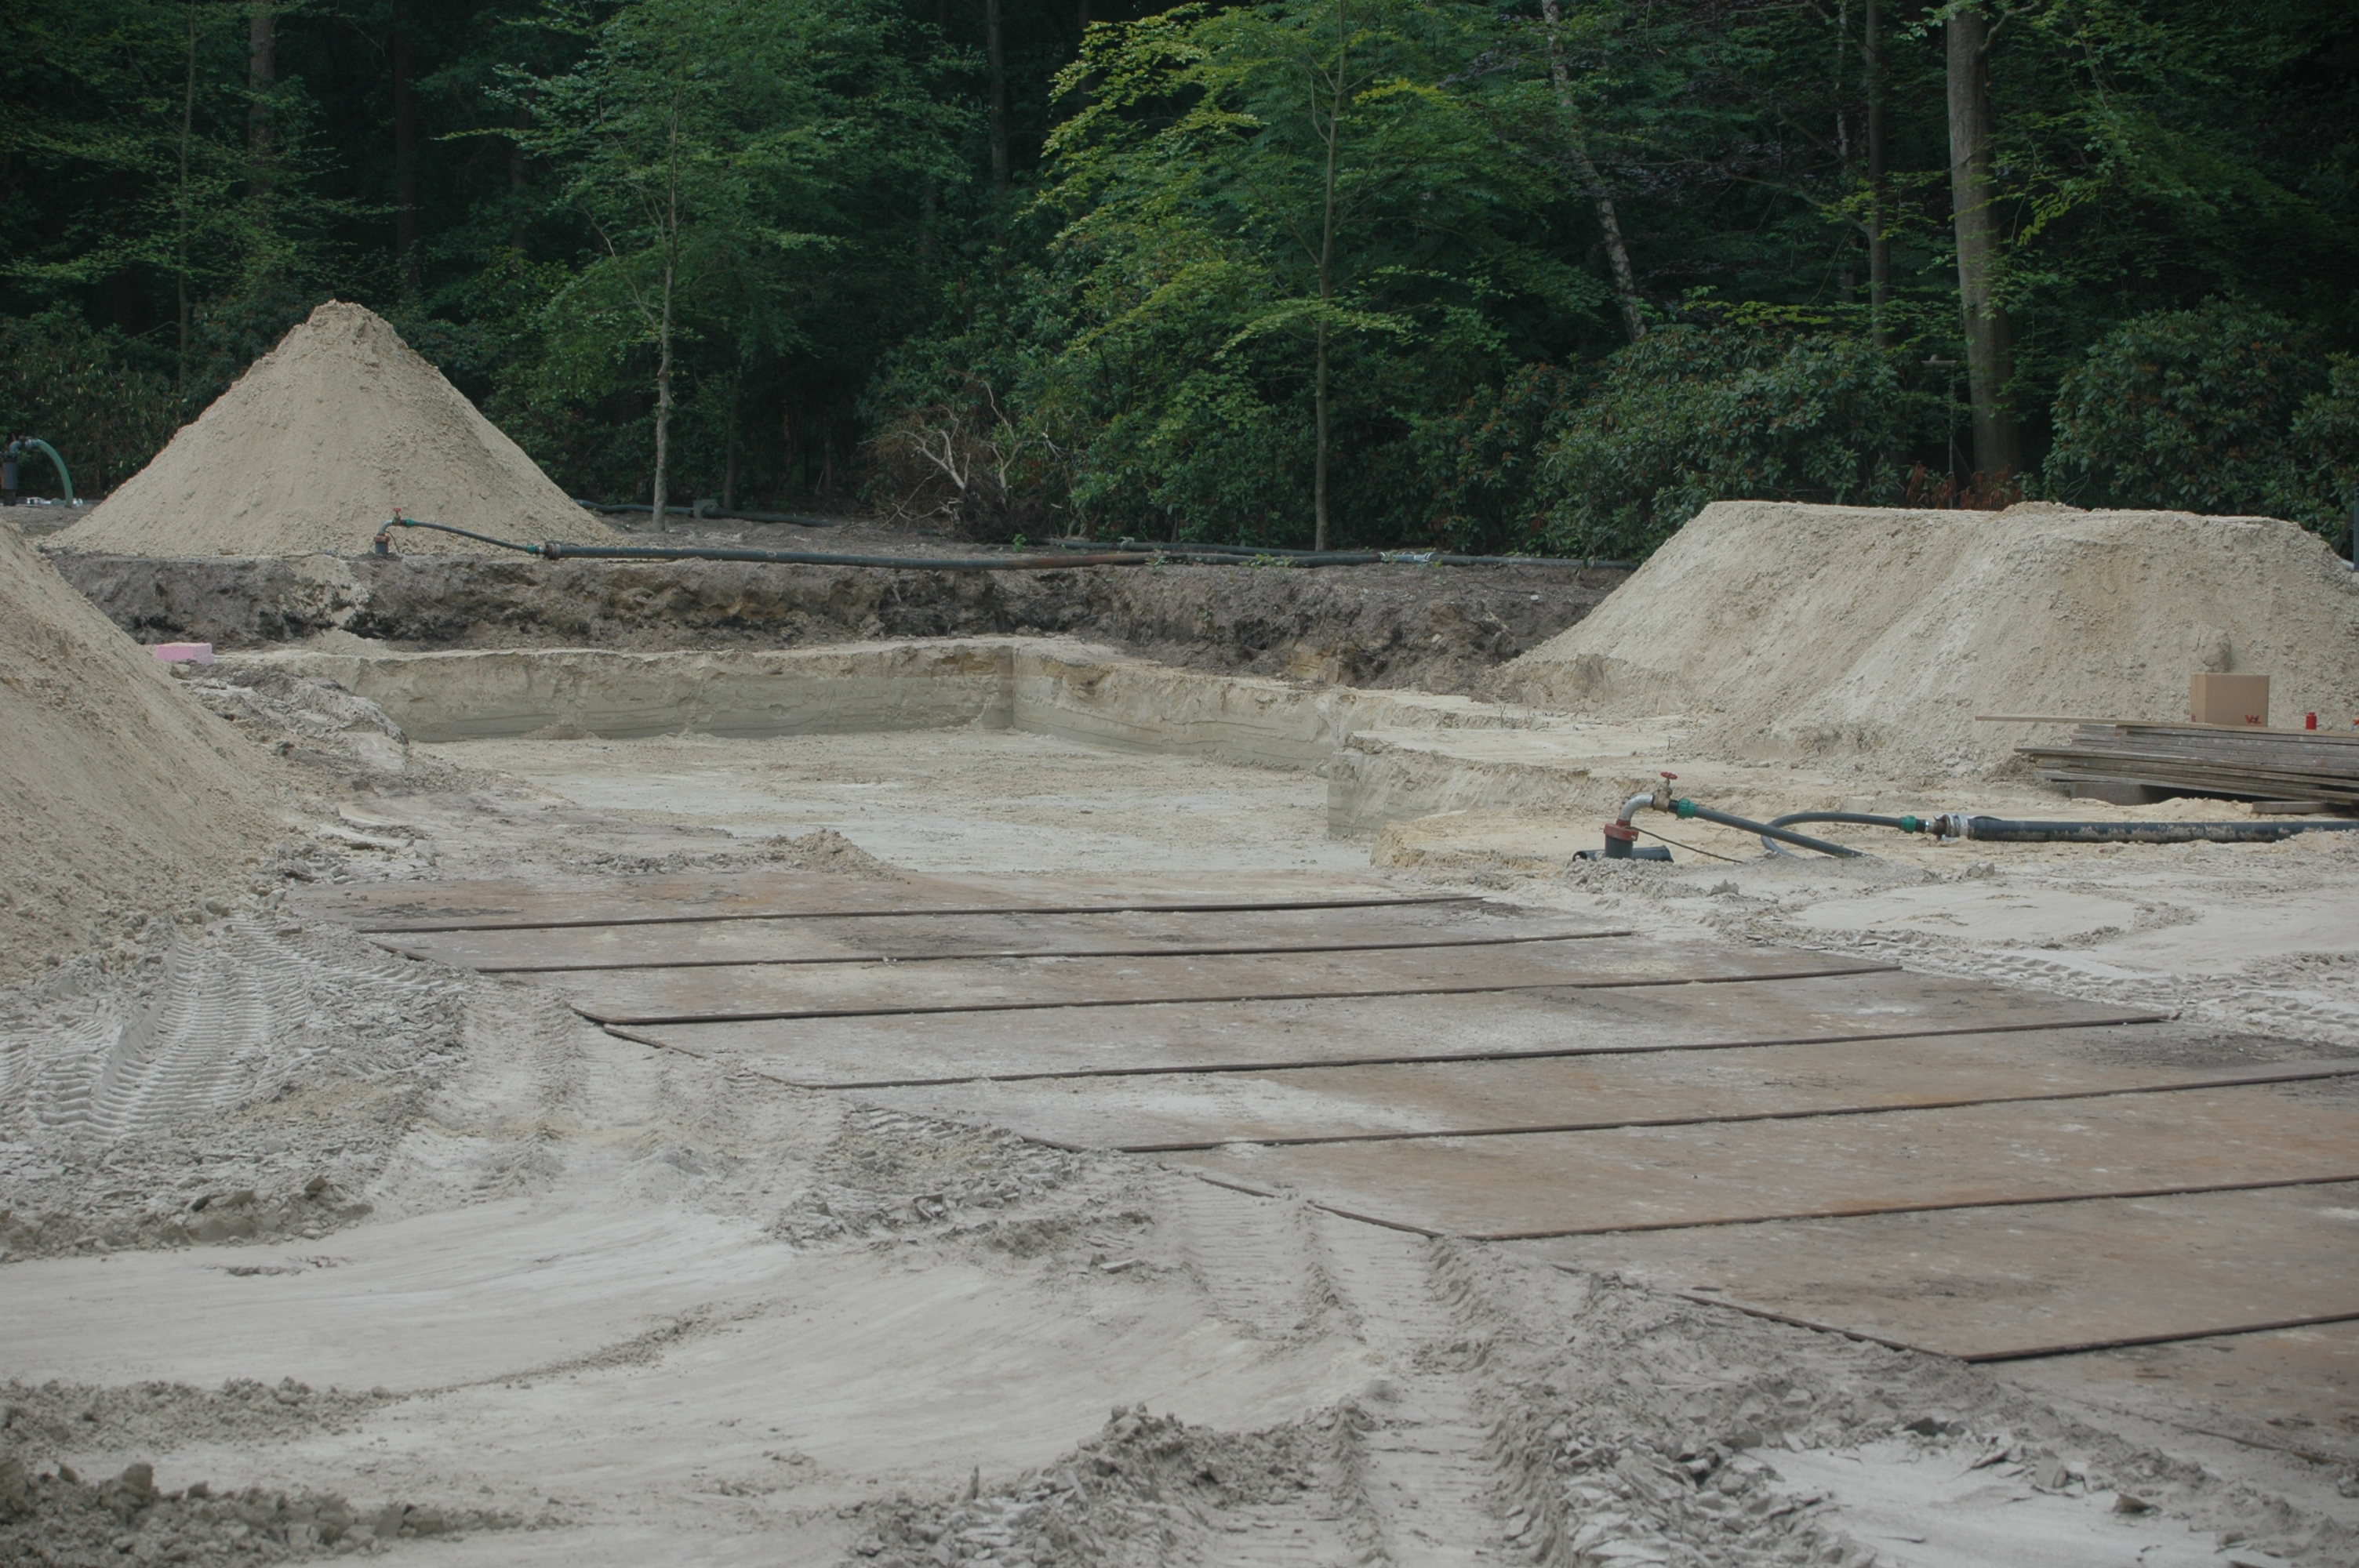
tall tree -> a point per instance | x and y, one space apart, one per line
1879 175
1609 216
994 44
718 152
261 80
1973 198
1333 86
1289 231
404 148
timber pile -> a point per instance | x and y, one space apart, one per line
2201 759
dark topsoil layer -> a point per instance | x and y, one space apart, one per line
1436 628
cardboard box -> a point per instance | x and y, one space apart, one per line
2230 699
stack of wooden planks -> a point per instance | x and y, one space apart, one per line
2203 759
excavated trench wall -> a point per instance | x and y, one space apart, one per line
1431 628
1363 741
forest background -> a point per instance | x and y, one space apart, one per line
1493 274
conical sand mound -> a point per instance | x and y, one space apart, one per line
125 798
1819 631
317 445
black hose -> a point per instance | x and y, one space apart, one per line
554 551
1766 830
1904 824
1134 556
800 519
1362 558
1995 830
446 528
1999 830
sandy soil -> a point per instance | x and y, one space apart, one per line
514 1290
317 444
1814 631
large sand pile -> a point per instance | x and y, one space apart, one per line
1793 631
317 445
124 796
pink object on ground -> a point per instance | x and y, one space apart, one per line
185 652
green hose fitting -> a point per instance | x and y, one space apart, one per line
1910 825
1683 809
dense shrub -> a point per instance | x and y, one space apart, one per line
1481 462
2325 441
83 392
2188 410
1690 415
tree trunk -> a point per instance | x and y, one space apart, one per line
405 152
729 467
1972 196
669 221
663 402
1609 219
261 75
1327 269
1879 181
180 265
995 51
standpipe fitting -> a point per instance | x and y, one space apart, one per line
1620 837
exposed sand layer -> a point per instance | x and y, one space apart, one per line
319 443
126 798
1801 631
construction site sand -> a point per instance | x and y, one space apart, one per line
1792 630
125 798
319 443
658 1310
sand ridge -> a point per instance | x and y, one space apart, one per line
125 794
1791 630
319 443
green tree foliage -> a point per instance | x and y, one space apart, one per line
1125 331
729 158
1690 415
2187 409
1201 272
2324 439
84 393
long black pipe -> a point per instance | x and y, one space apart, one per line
799 519
1997 830
555 550
2001 830
1357 557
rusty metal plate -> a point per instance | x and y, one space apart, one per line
1574 1183
1994 1284
1256 1036
963 984
918 936
516 904
1166 1113
2295 1390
